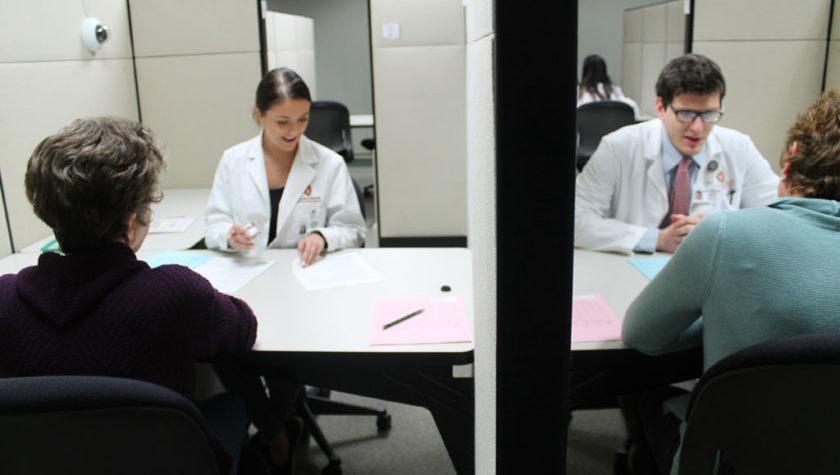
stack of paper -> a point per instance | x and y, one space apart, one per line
592 320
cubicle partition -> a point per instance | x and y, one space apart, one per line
47 79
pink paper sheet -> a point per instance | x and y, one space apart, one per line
442 321
592 320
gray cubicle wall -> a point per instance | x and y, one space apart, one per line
420 109
773 62
198 65
47 79
653 35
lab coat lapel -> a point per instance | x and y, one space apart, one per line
653 159
256 168
300 176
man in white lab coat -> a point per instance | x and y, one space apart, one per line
647 185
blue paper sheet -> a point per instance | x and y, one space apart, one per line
187 259
649 266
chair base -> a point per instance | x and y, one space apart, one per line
317 402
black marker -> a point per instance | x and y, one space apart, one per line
402 319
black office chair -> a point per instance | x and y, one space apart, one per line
772 408
102 425
596 119
329 125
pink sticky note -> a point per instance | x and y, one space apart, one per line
442 321
592 320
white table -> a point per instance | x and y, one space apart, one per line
614 278
361 120
188 202
603 370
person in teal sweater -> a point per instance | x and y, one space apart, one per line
755 274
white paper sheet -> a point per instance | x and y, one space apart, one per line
229 274
172 224
335 270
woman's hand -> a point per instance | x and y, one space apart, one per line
238 237
309 248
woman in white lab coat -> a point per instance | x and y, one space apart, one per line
596 85
281 189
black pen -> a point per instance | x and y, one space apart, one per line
402 319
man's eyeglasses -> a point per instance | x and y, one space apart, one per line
686 116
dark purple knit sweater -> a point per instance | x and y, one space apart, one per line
103 312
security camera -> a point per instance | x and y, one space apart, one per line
93 34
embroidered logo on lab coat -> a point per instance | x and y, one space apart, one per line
721 177
308 190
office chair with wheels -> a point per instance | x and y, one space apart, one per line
596 119
768 409
101 425
329 125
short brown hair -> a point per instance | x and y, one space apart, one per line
86 180
690 74
815 169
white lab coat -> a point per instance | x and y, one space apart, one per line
318 196
621 192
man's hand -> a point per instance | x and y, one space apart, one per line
671 237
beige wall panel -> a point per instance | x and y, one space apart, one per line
655 21
481 204
653 60
167 27
832 76
835 27
633 26
35 105
631 74
791 74
51 30
760 20
415 20
479 19
675 16
420 140
290 40
198 106
673 50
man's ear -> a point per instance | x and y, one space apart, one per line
660 107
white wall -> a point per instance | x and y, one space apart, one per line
600 31
481 205
198 66
420 118
773 67
47 79
290 42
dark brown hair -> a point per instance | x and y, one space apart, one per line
594 73
86 180
692 74
815 169
278 85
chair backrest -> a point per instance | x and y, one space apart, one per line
596 119
772 408
329 125
99 425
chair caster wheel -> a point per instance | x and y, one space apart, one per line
383 422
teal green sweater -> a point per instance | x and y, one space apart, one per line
754 275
